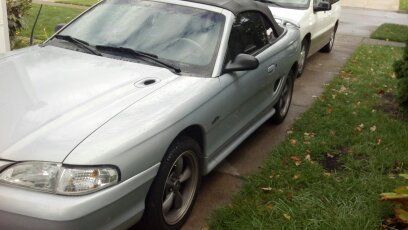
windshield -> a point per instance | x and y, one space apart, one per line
185 36
292 3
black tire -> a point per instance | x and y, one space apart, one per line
302 63
154 218
329 46
283 109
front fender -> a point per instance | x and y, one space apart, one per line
138 138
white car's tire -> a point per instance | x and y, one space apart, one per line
174 190
304 52
329 46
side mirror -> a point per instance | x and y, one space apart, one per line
322 6
242 62
58 27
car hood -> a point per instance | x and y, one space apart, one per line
51 99
292 15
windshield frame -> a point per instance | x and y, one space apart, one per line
218 49
305 7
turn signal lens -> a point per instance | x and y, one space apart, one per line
85 180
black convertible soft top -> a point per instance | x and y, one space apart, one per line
239 6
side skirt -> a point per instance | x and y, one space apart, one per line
209 165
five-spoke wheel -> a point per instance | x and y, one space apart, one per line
181 185
173 192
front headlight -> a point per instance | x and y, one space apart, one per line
59 179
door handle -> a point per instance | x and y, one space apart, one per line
272 68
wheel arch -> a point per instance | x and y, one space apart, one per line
195 132
294 67
336 25
308 37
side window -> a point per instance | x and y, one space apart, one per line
315 2
250 33
270 32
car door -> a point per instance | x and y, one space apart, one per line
246 94
334 12
319 28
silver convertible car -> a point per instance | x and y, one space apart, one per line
116 118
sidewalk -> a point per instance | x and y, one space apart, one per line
388 5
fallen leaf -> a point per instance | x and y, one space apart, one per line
327 174
360 128
267 189
296 176
308 158
289 132
330 109
287 216
379 141
405 176
269 206
373 128
342 89
310 135
296 160
329 155
402 215
293 141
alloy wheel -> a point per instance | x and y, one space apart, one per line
285 99
180 187
302 58
332 37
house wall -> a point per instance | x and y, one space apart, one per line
4 33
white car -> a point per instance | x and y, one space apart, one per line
318 21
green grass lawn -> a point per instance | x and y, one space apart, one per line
391 32
404 5
49 18
79 2
337 159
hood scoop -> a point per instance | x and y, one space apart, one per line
146 82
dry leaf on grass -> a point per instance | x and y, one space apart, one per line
287 216
293 141
296 160
267 189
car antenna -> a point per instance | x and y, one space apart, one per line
35 23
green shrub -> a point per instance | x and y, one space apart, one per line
401 71
16 9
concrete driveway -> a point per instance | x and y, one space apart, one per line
218 187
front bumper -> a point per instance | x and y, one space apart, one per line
119 206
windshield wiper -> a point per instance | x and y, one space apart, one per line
79 43
271 2
139 54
